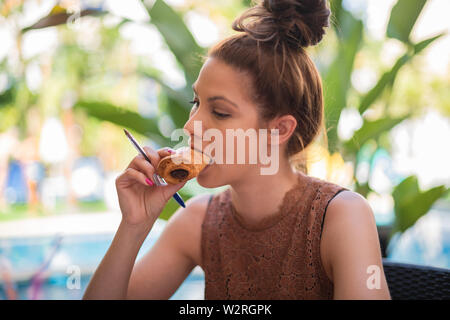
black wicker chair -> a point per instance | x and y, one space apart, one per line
415 282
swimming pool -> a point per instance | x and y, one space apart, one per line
76 256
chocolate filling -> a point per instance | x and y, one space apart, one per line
179 174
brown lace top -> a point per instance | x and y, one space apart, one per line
277 259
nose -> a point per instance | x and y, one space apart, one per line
195 121
194 128
189 126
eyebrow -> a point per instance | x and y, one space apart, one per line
214 98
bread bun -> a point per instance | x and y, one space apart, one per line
183 165
298 23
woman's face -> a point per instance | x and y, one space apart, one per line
222 101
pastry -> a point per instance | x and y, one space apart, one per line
183 165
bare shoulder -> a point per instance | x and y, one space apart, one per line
349 220
350 247
185 226
349 208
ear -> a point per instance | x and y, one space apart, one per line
286 125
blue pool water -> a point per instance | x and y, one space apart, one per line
425 243
26 255
55 288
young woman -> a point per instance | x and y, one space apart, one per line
265 236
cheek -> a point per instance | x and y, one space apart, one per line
218 175
214 140
211 177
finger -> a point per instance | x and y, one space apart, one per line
164 152
152 155
169 190
141 164
136 176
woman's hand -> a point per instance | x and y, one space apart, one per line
140 200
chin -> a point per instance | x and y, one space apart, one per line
207 178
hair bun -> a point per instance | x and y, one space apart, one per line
300 23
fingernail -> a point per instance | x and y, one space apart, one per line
171 151
149 182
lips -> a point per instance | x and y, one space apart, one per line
211 160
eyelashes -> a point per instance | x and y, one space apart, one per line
218 115
194 102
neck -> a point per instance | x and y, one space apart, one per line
259 196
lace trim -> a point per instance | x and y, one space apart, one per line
284 209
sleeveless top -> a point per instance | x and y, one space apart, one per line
277 259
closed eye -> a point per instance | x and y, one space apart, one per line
219 115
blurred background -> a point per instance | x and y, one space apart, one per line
74 73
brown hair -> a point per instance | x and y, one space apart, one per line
271 49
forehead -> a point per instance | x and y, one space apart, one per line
217 77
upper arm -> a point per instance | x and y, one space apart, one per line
351 248
159 273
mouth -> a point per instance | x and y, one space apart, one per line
211 160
